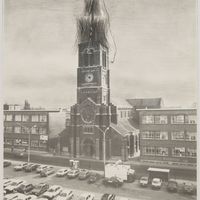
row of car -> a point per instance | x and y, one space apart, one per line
45 170
172 185
92 177
15 189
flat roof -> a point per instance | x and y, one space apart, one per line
151 109
32 110
158 170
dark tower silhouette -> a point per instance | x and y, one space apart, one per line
93 112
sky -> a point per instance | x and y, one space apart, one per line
156 51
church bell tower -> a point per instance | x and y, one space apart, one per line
93 113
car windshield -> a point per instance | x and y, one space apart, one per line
156 181
144 178
51 190
13 184
22 186
63 194
38 187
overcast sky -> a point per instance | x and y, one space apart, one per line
156 51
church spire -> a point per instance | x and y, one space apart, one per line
93 25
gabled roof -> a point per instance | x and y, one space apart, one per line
124 128
146 103
121 103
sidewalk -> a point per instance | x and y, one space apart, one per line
136 163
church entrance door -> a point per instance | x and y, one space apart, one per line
88 148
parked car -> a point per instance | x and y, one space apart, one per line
11 196
47 171
113 181
7 182
107 196
31 197
20 167
40 189
144 181
62 172
86 196
31 167
73 173
52 192
6 163
188 188
83 174
42 198
65 195
21 196
172 185
93 177
40 168
156 183
123 198
25 188
14 185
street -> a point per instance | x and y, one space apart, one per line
130 190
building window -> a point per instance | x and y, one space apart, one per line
178 135
147 135
88 129
17 142
177 119
43 118
8 141
160 119
155 135
17 129
121 114
191 153
18 118
34 143
161 135
35 118
178 151
191 136
148 119
25 118
191 119
42 131
9 117
25 130
149 151
34 130
161 151
104 58
24 142
8 129
42 143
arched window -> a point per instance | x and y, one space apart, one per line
88 57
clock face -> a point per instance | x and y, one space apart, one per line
89 77
87 114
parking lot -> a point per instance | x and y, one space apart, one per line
130 190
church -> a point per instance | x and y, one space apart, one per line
94 130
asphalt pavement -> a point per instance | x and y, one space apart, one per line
131 190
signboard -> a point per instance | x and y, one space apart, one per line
43 137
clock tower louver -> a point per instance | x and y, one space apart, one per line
93 113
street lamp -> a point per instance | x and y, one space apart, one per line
104 146
29 139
